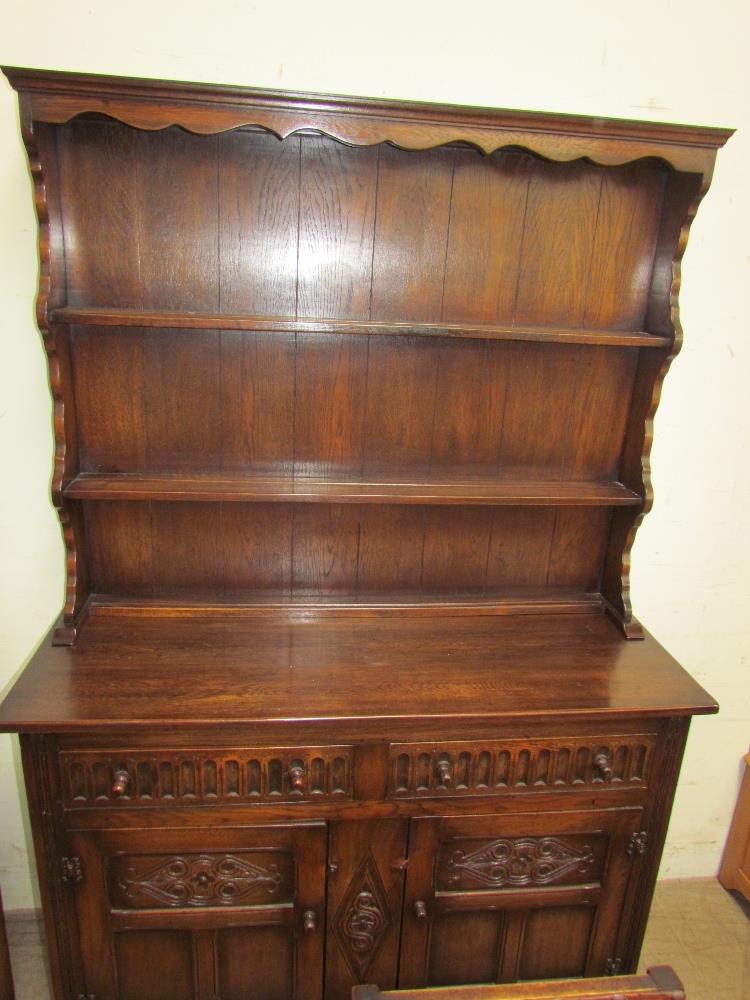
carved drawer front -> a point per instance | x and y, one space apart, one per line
501 766
174 777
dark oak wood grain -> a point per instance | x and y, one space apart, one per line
154 104
243 487
353 407
442 668
337 220
275 324
259 193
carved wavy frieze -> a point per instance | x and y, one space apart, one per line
362 919
205 108
362 127
195 881
519 862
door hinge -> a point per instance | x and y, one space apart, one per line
612 967
71 872
637 844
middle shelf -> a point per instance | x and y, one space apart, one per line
224 487
100 316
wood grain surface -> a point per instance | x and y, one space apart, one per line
230 671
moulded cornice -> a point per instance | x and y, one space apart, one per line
57 97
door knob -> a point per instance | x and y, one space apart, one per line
121 782
444 772
297 778
603 764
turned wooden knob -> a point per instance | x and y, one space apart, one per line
420 910
308 920
297 778
121 782
603 764
444 772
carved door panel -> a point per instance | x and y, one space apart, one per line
502 898
367 861
203 914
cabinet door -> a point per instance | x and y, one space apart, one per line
367 860
203 914
501 898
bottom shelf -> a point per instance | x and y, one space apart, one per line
523 601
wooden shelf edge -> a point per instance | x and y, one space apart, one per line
91 316
187 606
218 488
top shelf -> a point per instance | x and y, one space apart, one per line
88 316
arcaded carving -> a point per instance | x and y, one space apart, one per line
231 776
496 766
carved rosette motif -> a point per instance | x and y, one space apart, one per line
362 919
198 880
519 862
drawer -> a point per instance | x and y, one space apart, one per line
496 767
190 777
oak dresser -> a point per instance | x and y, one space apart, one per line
353 409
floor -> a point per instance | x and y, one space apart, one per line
695 926
703 932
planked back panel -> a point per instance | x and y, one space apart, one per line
241 223
307 227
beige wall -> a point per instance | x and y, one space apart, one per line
662 59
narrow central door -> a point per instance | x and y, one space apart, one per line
367 861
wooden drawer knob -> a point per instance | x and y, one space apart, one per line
420 909
308 920
444 772
603 764
297 778
121 782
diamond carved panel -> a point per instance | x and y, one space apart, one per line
362 919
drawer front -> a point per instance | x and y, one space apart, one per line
496 767
231 776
